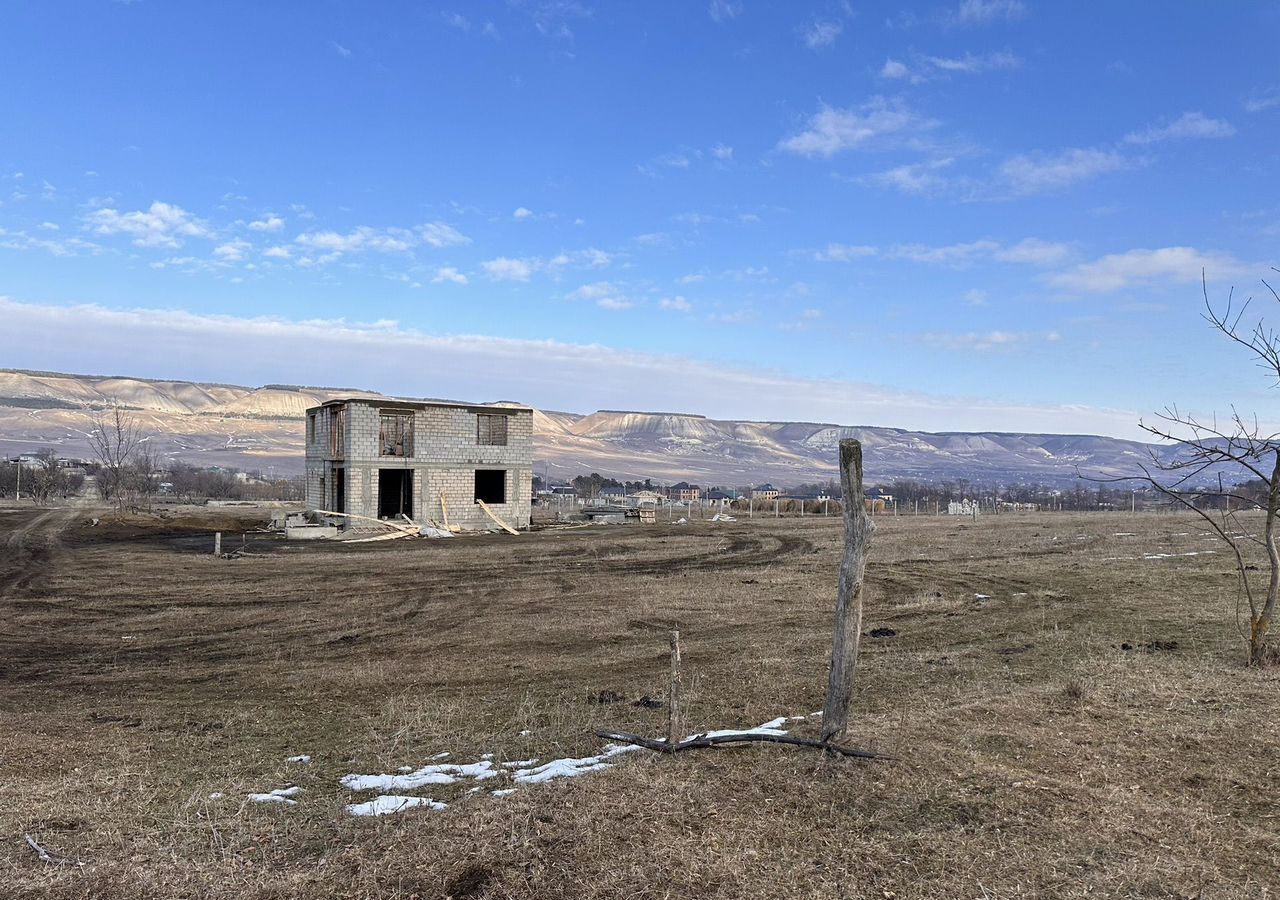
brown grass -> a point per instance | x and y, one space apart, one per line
1037 758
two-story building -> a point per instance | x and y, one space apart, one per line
384 458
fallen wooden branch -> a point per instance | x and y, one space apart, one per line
45 856
490 513
746 737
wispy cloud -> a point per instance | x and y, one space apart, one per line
1190 125
522 213
925 68
844 252
923 178
340 50
985 12
822 34
1118 271
1262 100
985 341
675 304
69 246
724 10
1036 173
159 225
1029 251
831 130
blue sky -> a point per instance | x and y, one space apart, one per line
981 214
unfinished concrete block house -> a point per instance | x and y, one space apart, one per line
382 458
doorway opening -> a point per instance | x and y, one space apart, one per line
395 493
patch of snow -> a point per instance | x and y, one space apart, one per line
301 758
520 763
216 795
443 754
280 795
444 773
504 792
387 804
982 596
1125 534
525 733
571 766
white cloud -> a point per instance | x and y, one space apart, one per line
724 10
844 252
604 294
822 34
722 152
506 269
675 304
1118 271
456 20
232 251
160 225
1035 173
983 12
277 253
694 278
522 213
448 274
596 259
550 374
268 222
830 130
1189 125
340 50
334 244
894 69
975 297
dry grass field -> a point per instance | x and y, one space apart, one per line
1070 718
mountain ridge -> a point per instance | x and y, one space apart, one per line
260 428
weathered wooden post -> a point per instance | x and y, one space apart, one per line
848 631
217 543
673 693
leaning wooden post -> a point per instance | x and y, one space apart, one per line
848 631
673 694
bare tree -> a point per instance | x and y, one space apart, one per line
47 476
144 471
1213 458
113 440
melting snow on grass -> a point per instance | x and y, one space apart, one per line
280 795
386 804
302 758
443 773
522 771
572 766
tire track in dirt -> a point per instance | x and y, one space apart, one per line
30 549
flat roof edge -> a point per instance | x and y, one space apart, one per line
422 404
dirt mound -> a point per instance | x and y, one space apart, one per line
127 526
